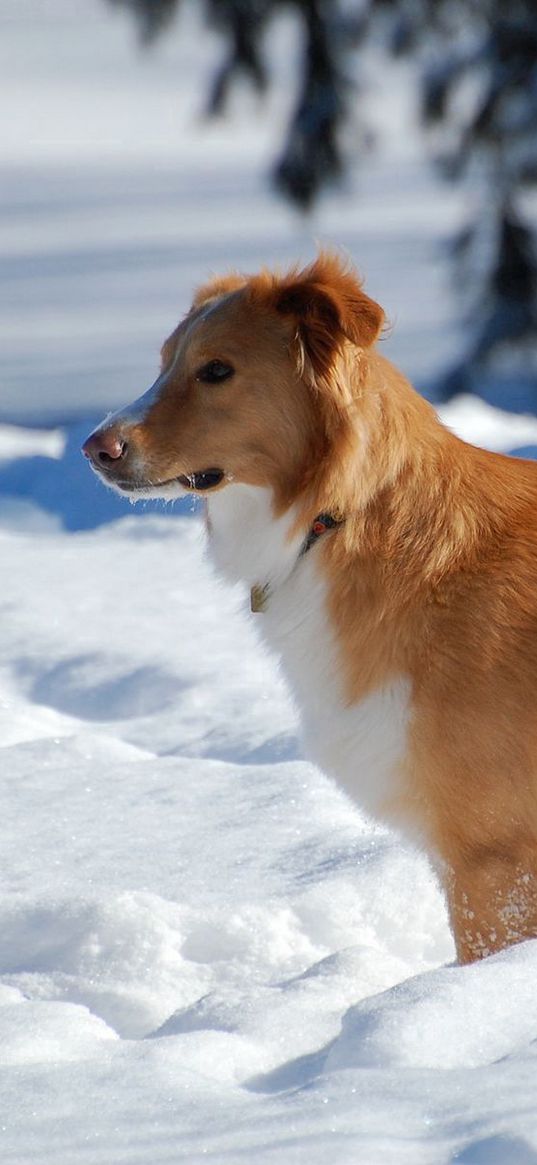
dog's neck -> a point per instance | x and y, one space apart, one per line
404 493
248 543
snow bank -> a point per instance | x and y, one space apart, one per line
41 1033
455 1017
206 953
205 957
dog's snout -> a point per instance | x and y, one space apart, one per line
105 447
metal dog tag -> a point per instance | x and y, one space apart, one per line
258 598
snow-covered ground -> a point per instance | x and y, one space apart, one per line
206 953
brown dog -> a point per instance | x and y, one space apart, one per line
395 566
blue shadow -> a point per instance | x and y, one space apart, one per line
67 487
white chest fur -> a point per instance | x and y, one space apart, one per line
361 745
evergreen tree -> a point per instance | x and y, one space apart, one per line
494 141
152 16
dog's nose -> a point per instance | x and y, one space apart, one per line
104 446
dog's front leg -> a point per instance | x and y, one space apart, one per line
492 897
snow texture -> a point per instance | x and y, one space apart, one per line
206 952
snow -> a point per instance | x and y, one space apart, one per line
206 952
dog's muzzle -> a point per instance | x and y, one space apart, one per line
108 452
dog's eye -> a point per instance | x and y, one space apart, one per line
214 372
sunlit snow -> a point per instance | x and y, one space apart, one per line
206 952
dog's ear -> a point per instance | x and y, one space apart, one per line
329 306
221 285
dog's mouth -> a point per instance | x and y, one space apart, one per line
202 480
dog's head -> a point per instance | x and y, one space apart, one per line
249 389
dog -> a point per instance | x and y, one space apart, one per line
392 566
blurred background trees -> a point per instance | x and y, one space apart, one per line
476 69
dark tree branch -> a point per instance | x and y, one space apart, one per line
495 138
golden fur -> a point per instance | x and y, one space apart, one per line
432 576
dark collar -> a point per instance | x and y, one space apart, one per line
322 523
259 595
